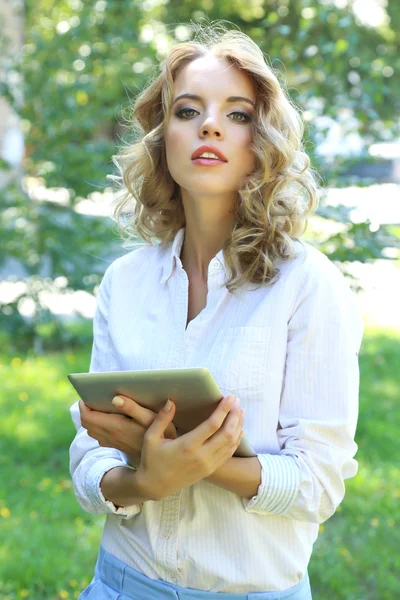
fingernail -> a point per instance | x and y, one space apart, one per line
237 402
243 411
231 399
167 405
118 401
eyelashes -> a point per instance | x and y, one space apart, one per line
183 111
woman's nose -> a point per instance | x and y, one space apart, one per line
211 127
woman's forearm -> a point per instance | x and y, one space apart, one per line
242 476
123 487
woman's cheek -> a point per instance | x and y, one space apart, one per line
174 153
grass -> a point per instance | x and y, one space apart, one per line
40 521
49 544
356 555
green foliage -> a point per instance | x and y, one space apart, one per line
59 250
80 59
76 63
356 554
356 242
40 235
73 85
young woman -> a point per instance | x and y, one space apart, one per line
229 286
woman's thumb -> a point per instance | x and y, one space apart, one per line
164 418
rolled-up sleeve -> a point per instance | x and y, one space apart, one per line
89 462
319 402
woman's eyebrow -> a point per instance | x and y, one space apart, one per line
230 99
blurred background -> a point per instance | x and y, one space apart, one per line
69 71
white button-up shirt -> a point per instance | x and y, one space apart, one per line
290 352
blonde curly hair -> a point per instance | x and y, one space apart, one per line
275 202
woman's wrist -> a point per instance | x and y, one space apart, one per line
145 486
124 487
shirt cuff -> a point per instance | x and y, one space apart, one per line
93 478
280 482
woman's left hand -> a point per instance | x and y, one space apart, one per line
118 431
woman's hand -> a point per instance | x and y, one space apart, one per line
118 431
170 465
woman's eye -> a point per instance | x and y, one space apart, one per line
184 111
245 118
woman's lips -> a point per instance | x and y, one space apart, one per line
208 162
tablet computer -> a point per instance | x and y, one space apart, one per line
193 390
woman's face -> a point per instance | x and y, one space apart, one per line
211 120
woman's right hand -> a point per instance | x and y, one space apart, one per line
169 465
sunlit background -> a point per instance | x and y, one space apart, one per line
69 73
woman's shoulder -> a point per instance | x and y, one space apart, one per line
318 275
306 259
142 256
312 260
312 271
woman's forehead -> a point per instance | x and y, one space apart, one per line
213 74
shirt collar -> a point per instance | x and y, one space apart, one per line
173 251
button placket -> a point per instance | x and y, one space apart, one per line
169 525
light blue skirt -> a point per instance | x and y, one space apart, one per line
114 580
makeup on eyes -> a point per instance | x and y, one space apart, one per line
247 119
231 100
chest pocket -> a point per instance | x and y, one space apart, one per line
237 359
